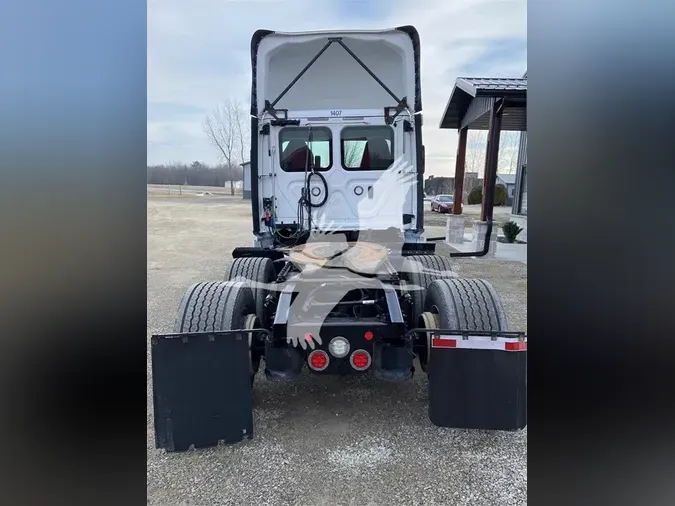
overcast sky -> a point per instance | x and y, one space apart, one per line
198 54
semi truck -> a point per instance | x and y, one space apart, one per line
340 277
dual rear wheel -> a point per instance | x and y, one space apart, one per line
459 304
418 272
440 299
221 305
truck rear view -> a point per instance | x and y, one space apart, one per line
340 279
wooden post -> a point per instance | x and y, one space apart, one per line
491 159
460 163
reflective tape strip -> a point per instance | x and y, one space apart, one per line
480 343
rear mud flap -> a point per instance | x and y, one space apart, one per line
282 363
478 388
392 363
201 390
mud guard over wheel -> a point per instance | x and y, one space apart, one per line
202 374
477 369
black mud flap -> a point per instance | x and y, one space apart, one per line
201 389
282 363
392 363
478 388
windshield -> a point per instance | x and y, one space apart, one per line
445 198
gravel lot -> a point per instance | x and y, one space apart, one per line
321 440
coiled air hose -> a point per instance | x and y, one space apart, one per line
325 189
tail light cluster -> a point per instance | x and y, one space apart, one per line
339 347
319 360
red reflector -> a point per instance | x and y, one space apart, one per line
369 335
515 346
360 360
443 343
318 360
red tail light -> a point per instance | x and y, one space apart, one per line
318 360
360 360
369 335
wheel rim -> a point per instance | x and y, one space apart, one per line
251 321
428 320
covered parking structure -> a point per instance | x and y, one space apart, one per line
492 104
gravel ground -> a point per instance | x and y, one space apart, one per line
321 440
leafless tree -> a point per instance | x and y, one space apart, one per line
508 152
227 130
476 149
243 129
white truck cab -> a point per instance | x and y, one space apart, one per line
336 134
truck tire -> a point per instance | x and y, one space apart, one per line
259 272
456 303
472 389
470 304
419 271
218 305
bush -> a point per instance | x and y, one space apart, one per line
511 231
475 195
501 195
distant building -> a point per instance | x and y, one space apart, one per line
439 185
509 181
247 180
237 185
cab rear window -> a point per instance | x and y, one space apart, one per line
299 147
367 147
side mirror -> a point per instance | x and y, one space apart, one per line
317 161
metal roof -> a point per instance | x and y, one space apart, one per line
472 99
483 85
507 178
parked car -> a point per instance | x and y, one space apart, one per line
442 203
